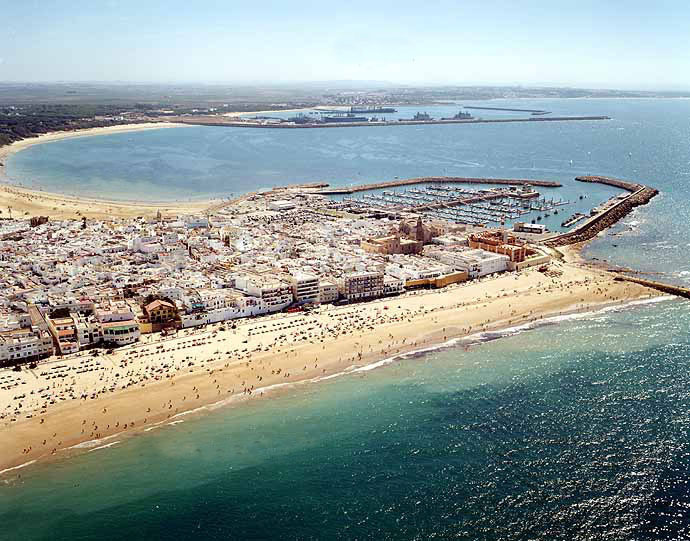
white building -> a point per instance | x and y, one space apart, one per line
281 204
121 333
305 287
393 286
276 294
476 263
361 285
328 291
21 345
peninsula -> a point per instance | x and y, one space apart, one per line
119 324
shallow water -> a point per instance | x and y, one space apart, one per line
578 429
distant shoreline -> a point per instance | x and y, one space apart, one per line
231 123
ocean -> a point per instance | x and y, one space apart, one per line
575 429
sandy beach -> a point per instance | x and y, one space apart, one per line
77 403
8 150
25 202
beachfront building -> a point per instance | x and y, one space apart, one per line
392 286
160 312
305 287
275 293
21 345
476 263
357 286
120 333
328 291
64 331
89 330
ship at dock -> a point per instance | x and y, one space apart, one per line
377 110
420 117
460 116
347 117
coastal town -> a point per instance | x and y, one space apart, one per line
113 322
72 285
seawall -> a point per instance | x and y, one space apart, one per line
440 180
640 195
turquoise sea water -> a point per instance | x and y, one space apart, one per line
575 430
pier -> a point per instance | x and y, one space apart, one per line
437 180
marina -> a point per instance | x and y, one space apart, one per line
478 207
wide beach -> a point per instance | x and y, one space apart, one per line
86 401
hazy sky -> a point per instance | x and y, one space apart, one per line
604 43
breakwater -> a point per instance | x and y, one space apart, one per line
678 291
439 180
640 195
533 111
225 121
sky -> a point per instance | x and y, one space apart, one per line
629 44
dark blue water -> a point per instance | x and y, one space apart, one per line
577 430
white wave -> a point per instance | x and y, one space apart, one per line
17 467
104 446
176 422
92 443
201 408
472 338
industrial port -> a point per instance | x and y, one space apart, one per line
348 119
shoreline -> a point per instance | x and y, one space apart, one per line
279 389
36 202
50 137
144 397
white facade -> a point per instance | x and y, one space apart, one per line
476 263
121 333
16 346
305 288
281 205
277 295
328 292
393 286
